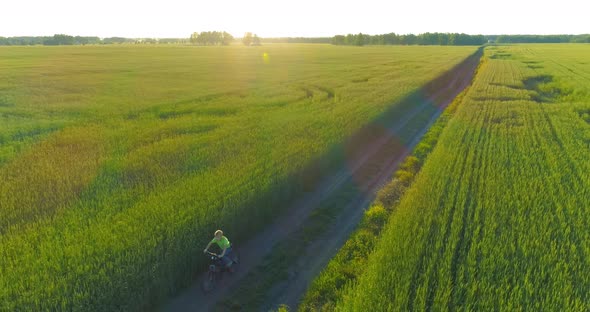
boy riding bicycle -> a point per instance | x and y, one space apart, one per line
226 254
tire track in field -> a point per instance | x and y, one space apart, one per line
467 215
465 241
448 233
568 69
433 280
432 233
570 227
559 213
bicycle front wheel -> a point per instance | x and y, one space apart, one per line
208 283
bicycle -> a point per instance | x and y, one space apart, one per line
216 268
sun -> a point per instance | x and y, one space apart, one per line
265 57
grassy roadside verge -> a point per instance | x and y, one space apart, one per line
350 262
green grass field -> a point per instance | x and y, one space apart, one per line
497 219
118 162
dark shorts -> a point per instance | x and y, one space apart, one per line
227 258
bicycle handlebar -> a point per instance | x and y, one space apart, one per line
212 254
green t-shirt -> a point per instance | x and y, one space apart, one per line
223 243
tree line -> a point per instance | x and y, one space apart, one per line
543 38
297 40
361 39
61 39
452 39
206 38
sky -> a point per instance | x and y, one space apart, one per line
289 18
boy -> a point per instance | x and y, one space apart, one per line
225 246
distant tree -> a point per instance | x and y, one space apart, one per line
146 41
349 39
452 39
247 40
118 40
442 39
193 38
172 40
227 39
59 39
427 39
86 40
391 38
81 40
215 38
297 40
211 38
255 40
410 39
377 40
359 40
339 40
203 38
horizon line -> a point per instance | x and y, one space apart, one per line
295 36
